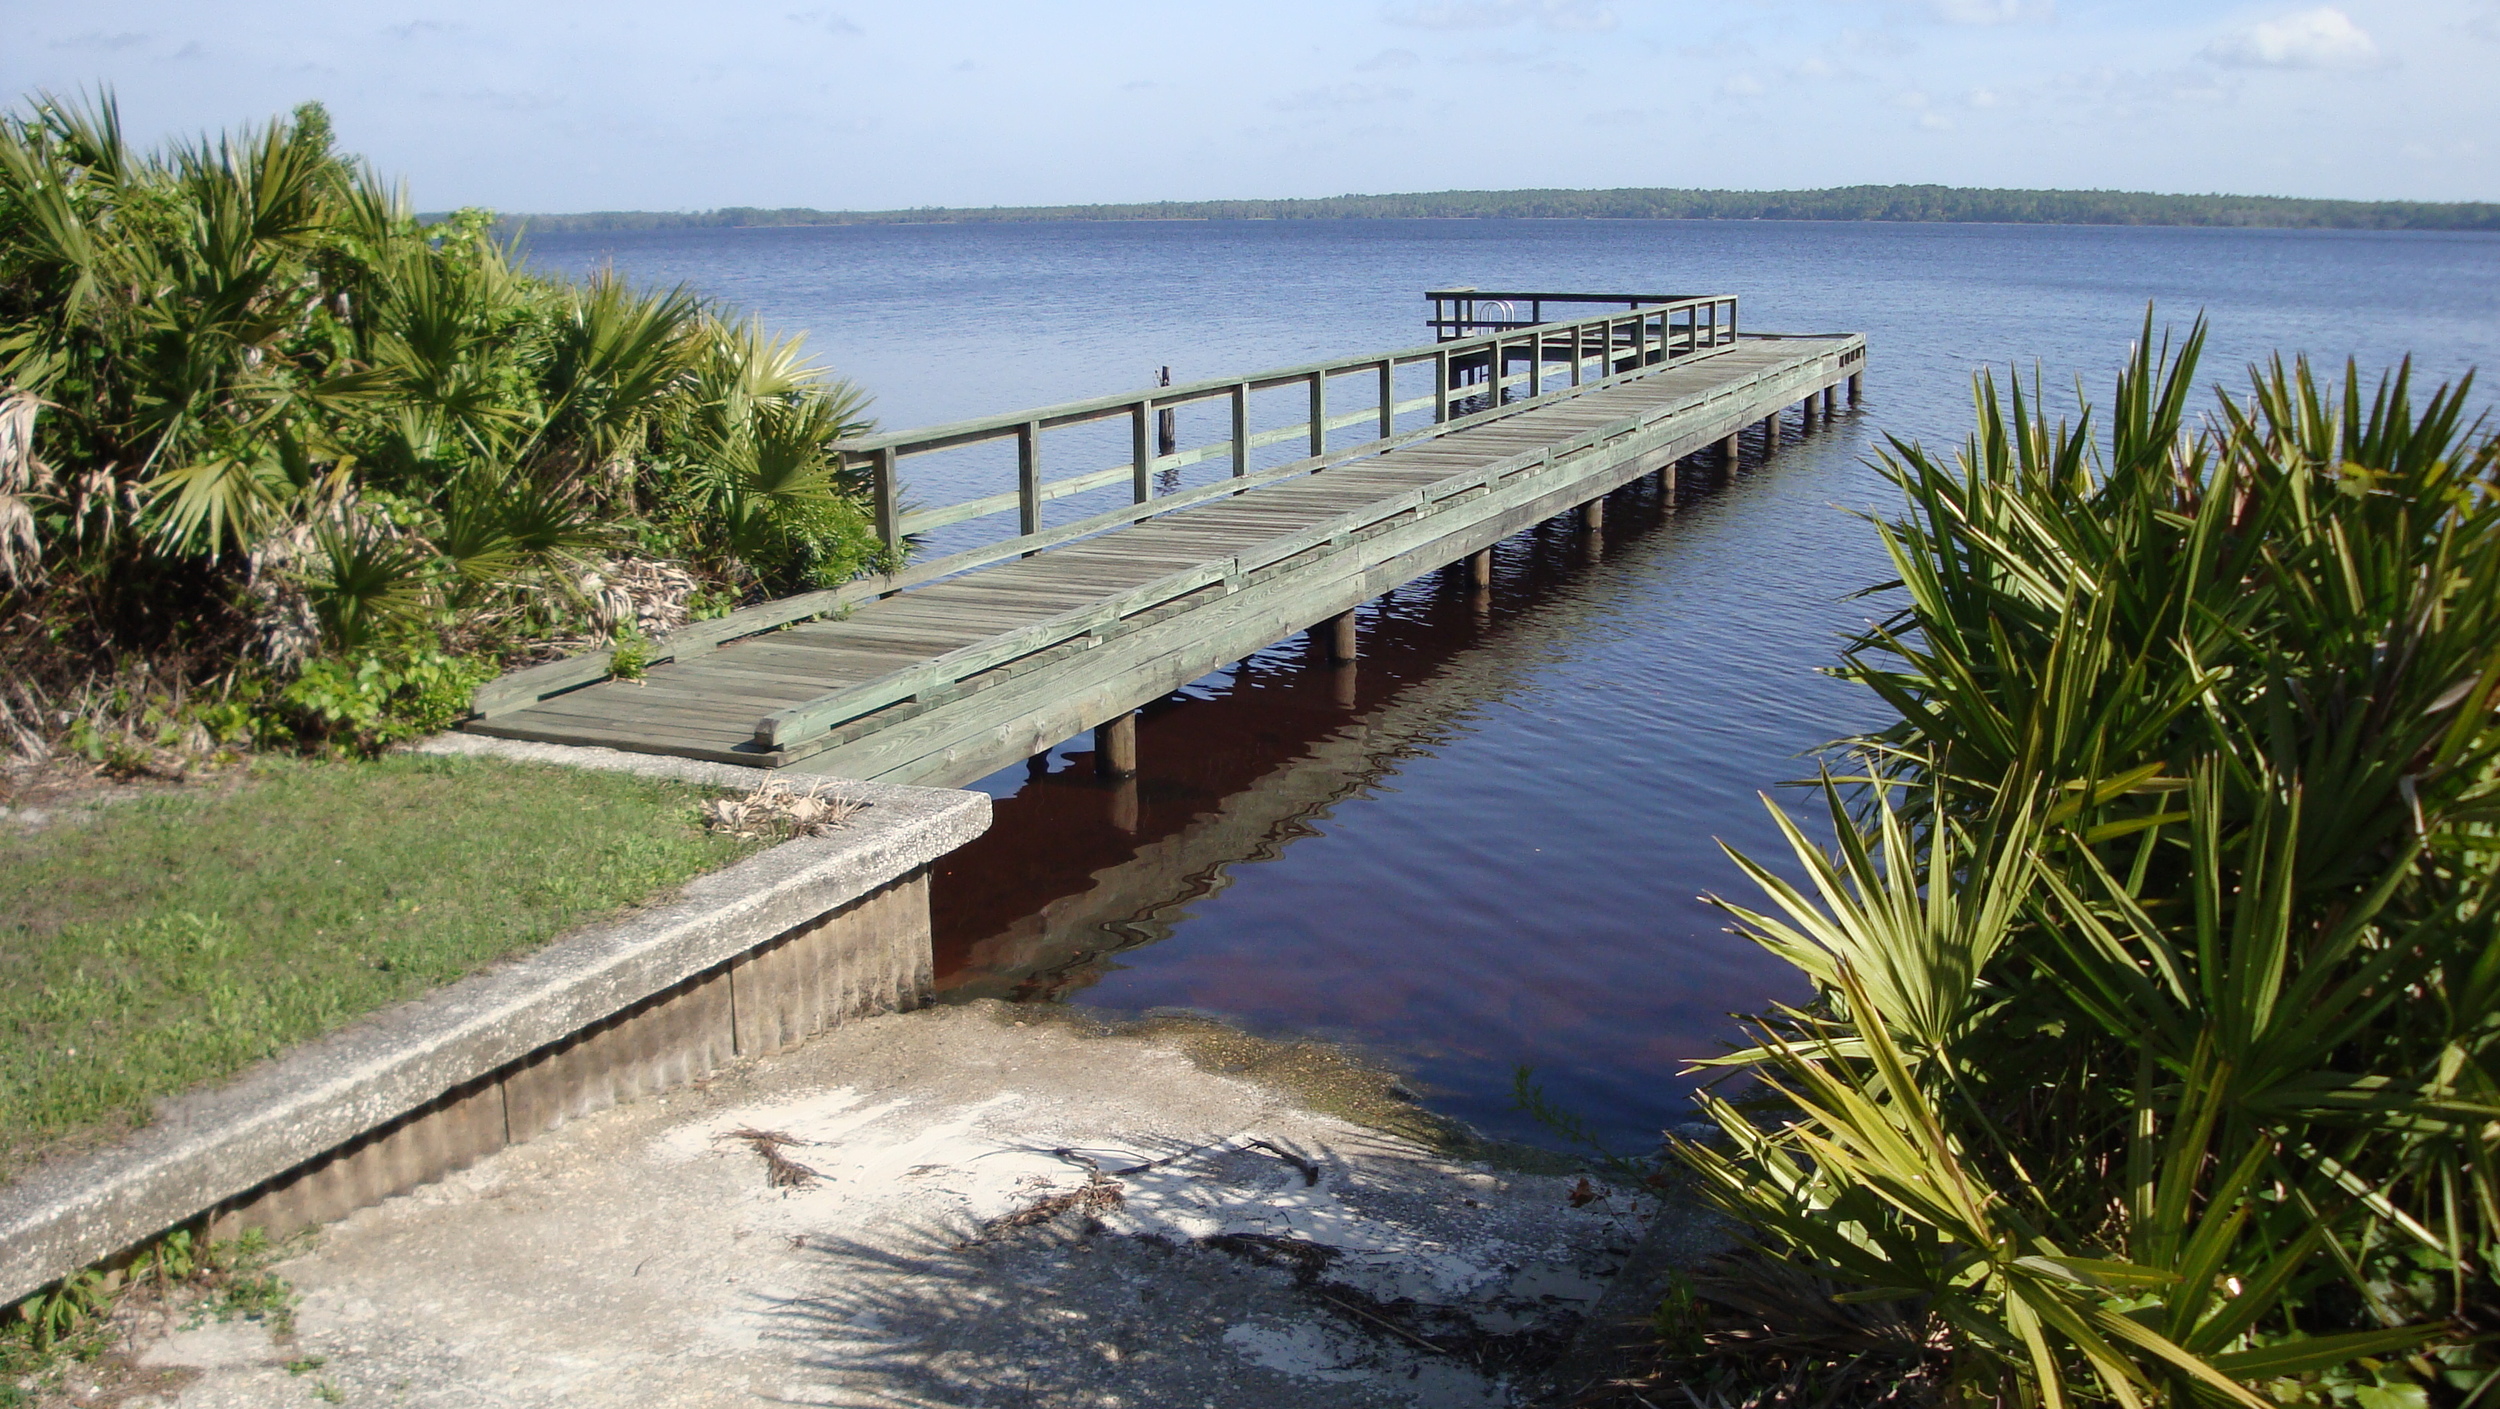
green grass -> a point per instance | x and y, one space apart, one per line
174 940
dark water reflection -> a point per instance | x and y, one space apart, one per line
1491 854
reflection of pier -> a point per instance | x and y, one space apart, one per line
1080 867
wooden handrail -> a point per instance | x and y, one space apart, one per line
1643 328
1648 328
932 682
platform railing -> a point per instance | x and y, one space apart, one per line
1471 378
1464 367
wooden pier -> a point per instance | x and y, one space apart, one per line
952 668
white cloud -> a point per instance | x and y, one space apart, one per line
1741 85
2321 38
826 20
1993 11
1569 16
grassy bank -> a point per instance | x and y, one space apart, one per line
173 939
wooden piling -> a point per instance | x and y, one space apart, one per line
1124 806
1480 568
1730 452
1593 515
1167 422
1338 633
1854 379
1831 401
1115 746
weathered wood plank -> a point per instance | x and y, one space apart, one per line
1291 543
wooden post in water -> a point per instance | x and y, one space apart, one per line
1480 568
1805 414
1340 638
1730 451
1854 379
1124 806
1593 514
1167 422
1831 401
1115 746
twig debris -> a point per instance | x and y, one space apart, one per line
778 809
780 1171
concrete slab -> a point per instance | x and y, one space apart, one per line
1217 1243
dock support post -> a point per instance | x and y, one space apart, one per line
1805 413
1666 483
1167 422
1339 631
1124 806
1831 401
1480 568
1854 379
1729 452
1593 514
1115 746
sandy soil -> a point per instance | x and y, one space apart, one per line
978 1212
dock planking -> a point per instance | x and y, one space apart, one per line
938 677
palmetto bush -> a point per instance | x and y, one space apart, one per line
252 411
2159 958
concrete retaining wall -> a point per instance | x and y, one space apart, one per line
747 960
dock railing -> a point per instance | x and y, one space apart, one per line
1645 333
1472 376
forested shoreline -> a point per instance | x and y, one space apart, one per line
1906 204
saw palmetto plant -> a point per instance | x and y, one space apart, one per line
239 379
2159 958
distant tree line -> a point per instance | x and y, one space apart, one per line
1894 203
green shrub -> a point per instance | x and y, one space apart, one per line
2159 959
252 413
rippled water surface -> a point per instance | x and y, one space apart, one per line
1484 846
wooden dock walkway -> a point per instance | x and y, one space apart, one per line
948 670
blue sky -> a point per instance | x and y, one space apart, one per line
633 104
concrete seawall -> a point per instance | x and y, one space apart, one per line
748 960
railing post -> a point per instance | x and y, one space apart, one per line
1731 321
1440 385
881 472
1536 362
1029 475
1577 356
1241 429
1141 457
1319 413
1388 398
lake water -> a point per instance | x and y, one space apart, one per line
1486 849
